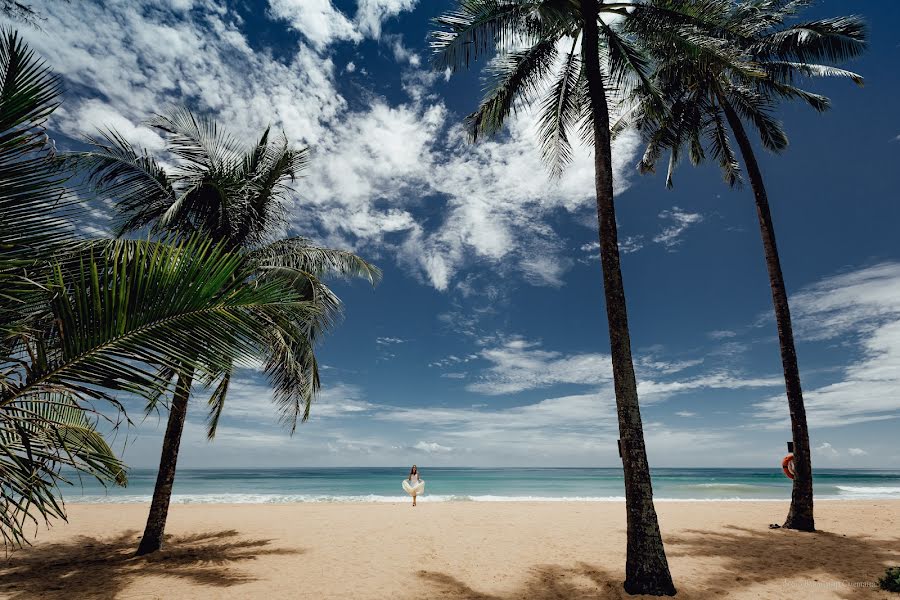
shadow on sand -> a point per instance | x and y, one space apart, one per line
545 582
802 562
734 559
87 567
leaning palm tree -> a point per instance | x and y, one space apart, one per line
83 321
707 97
238 199
568 56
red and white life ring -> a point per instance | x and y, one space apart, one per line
787 465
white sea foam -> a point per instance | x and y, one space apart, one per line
844 493
869 491
304 498
727 486
294 498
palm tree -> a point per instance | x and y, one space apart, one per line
707 97
114 317
83 320
238 199
568 56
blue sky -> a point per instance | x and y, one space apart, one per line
486 343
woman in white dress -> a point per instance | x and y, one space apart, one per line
414 485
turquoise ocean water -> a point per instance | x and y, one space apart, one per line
482 485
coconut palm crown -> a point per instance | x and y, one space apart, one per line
238 198
708 101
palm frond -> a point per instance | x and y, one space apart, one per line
480 27
301 254
147 303
835 40
722 150
131 179
560 111
34 201
512 77
216 405
41 438
197 139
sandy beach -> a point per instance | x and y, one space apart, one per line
465 550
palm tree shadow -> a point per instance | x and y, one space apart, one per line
732 559
88 567
545 582
745 556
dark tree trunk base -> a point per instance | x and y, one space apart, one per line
800 524
148 546
650 587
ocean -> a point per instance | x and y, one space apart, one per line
446 484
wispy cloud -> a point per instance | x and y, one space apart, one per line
863 305
681 220
519 364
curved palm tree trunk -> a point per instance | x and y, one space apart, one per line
646 567
800 515
162 493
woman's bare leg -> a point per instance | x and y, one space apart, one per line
414 499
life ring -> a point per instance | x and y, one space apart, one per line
787 465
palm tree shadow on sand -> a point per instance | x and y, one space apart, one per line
804 562
734 559
545 582
102 568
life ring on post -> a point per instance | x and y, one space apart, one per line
787 465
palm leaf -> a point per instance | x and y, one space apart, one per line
512 77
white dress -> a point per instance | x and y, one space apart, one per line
414 486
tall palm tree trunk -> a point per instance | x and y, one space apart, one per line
800 515
162 493
646 567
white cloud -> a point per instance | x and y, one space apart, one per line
453 375
856 452
853 303
721 334
432 448
631 243
681 220
318 20
149 61
387 341
371 14
653 366
685 413
323 24
862 305
655 391
250 398
627 245
373 167
826 449
519 365
351 67
402 54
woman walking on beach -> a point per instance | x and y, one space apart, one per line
414 485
